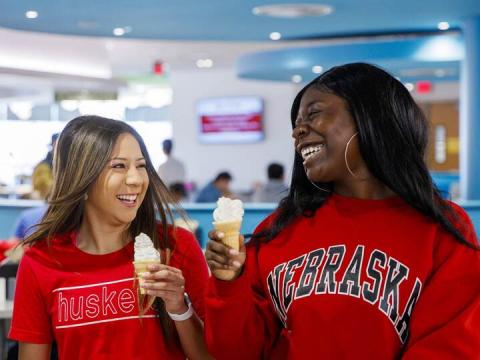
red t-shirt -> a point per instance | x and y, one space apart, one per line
361 279
88 303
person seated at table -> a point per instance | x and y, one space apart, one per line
24 226
275 189
178 192
220 186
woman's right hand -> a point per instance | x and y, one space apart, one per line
222 257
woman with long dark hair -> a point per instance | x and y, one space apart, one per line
76 285
363 258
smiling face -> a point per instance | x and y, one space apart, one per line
322 129
120 189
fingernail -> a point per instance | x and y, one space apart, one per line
236 264
233 252
220 234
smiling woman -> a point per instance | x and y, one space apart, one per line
75 284
363 258
322 128
117 194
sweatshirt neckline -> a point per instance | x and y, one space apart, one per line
353 203
126 250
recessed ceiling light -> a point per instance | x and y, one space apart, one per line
443 25
297 78
69 105
204 63
293 10
317 69
410 87
208 63
275 35
31 14
119 31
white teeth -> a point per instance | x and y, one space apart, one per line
127 197
309 151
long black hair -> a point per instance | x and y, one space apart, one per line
393 136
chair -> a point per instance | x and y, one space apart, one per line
8 273
8 270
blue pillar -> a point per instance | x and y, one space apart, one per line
470 112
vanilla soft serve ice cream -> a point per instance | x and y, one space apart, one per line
228 210
144 249
228 218
144 254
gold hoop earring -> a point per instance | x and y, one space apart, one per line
319 188
345 155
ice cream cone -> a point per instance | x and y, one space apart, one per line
231 231
141 267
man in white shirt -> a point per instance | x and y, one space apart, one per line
171 171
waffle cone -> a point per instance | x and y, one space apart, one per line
141 267
231 231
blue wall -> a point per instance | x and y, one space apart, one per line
9 212
445 181
254 214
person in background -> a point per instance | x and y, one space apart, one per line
178 192
362 259
24 225
49 158
42 177
75 283
275 189
171 171
27 220
220 186
42 180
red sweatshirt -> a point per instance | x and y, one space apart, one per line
88 303
364 279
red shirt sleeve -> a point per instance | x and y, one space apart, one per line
190 259
445 322
31 321
240 322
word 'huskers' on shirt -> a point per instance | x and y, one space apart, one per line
96 303
382 277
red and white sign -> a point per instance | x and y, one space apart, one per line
230 119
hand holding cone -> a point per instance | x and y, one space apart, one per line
228 218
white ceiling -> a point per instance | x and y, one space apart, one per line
42 55
44 61
33 65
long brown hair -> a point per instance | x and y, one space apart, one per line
82 151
